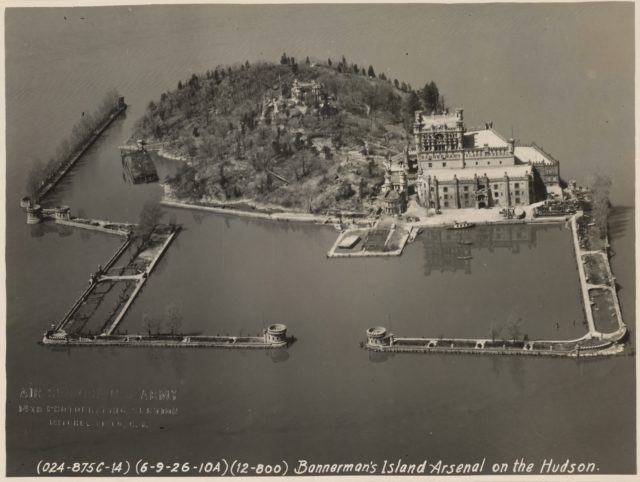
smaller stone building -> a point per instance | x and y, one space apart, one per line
393 194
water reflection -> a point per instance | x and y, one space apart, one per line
451 250
279 355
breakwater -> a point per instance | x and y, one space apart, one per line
598 279
53 180
133 275
274 336
140 279
378 339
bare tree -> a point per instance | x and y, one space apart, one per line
147 323
494 331
515 329
35 178
600 204
174 319
150 216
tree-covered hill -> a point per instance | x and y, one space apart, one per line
247 135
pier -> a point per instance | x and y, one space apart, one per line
51 183
380 240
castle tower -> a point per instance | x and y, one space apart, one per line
377 336
276 334
34 214
62 213
459 128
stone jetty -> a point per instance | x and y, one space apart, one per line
274 336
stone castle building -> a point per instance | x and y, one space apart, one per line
480 168
449 167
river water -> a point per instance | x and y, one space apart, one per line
323 399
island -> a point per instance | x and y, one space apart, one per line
331 142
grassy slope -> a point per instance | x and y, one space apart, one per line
214 120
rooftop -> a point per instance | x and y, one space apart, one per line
533 154
475 139
470 172
448 120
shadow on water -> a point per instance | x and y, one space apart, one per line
619 220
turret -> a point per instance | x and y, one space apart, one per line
62 213
377 336
512 145
276 334
34 214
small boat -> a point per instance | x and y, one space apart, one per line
463 225
465 257
466 243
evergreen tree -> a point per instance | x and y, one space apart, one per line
284 60
430 97
411 104
371 72
307 61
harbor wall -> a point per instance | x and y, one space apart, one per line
57 177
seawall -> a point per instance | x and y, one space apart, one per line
50 184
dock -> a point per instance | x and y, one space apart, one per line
376 241
138 166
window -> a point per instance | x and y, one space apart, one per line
446 196
431 189
466 188
488 163
444 164
517 193
445 189
430 164
496 194
500 162
495 186
466 204
466 195
476 163
516 185
446 204
517 200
